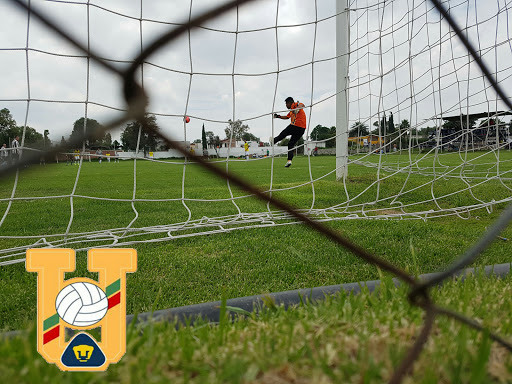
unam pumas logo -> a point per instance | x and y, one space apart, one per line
79 304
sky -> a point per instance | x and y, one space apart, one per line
244 64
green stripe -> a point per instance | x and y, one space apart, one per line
114 287
50 322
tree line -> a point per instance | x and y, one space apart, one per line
149 141
98 138
387 126
9 129
235 130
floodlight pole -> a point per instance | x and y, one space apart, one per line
342 81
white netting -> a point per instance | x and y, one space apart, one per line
445 151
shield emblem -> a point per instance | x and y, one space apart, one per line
81 304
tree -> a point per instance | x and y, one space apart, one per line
32 137
456 124
6 120
210 137
93 129
376 130
331 143
425 131
204 140
358 129
9 130
404 125
391 124
47 143
321 133
383 125
216 141
148 139
236 128
116 144
7 124
107 140
247 136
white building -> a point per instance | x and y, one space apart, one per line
311 145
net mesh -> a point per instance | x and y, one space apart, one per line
428 137
464 152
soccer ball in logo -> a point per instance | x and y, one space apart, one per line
81 304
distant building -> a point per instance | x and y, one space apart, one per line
364 141
228 143
311 145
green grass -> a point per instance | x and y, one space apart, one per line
344 339
191 270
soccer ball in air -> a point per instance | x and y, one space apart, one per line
81 304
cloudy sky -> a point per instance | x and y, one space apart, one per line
403 60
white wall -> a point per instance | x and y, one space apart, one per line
253 150
156 155
222 152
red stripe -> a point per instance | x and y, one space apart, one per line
114 300
51 334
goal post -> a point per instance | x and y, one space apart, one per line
342 81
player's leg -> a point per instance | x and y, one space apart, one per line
297 133
285 132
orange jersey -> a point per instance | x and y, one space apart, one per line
298 119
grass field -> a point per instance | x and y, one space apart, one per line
197 269
346 339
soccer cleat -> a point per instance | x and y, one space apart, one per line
288 164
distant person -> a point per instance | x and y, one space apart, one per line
315 151
296 129
4 154
246 148
15 153
99 153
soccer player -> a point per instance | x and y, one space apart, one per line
99 154
296 129
15 152
246 148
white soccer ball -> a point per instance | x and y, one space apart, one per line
81 304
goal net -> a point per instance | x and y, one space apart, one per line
421 134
